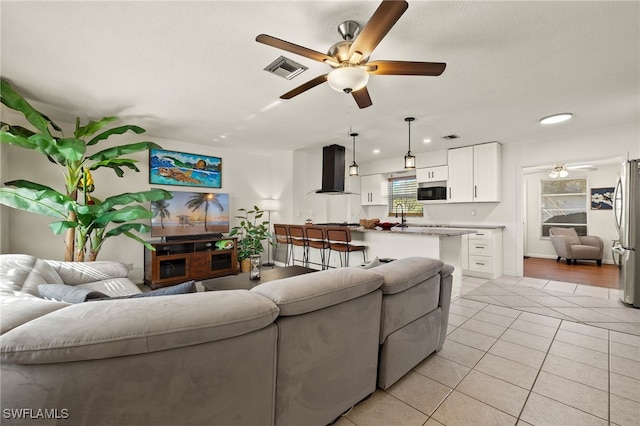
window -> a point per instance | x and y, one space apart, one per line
564 205
402 190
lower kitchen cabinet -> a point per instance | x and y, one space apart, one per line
481 253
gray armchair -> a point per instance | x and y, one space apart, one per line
570 245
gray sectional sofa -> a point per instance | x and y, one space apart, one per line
297 351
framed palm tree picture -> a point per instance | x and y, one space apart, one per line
180 168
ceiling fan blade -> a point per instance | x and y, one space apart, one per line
304 87
406 68
378 26
293 48
362 97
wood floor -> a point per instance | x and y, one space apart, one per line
585 272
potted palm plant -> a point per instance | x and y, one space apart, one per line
251 233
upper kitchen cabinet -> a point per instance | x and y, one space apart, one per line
460 161
486 172
474 173
374 190
432 174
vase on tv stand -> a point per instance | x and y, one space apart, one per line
254 273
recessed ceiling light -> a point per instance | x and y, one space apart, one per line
427 141
376 151
556 118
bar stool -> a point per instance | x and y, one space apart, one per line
298 238
282 238
340 240
317 239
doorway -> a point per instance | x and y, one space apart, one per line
539 257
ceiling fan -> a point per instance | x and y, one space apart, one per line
560 170
350 58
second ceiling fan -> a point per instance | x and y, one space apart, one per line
350 57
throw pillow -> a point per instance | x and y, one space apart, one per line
73 294
68 293
184 288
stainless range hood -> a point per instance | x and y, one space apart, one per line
333 171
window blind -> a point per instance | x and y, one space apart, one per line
402 190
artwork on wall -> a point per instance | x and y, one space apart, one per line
180 168
602 198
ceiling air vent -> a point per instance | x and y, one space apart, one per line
449 137
285 68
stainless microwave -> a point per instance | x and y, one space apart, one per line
432 193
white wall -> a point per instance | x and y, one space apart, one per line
248 177
599 222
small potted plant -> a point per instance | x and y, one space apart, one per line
251 232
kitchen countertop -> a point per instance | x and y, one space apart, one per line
470 226
418 230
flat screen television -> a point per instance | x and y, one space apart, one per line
190 214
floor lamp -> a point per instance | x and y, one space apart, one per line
268 206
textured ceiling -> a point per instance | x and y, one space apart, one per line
193 72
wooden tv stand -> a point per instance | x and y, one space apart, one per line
175 262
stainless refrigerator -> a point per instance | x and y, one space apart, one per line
626 208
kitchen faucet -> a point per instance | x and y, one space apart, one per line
403 220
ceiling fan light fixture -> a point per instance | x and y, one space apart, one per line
556 118
348 79
558 172
409 159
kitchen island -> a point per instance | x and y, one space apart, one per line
438 243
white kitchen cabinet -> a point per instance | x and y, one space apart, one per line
481 253
460 182
432 174
486 172
374 190
474 173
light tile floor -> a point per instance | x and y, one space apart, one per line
521 352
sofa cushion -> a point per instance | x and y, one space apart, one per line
23 273
105 329
400 309
402 274
569 234
580 251
310 292
22 308
74 273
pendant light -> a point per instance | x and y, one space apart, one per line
353 168
409 159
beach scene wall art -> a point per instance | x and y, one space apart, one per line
180 168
